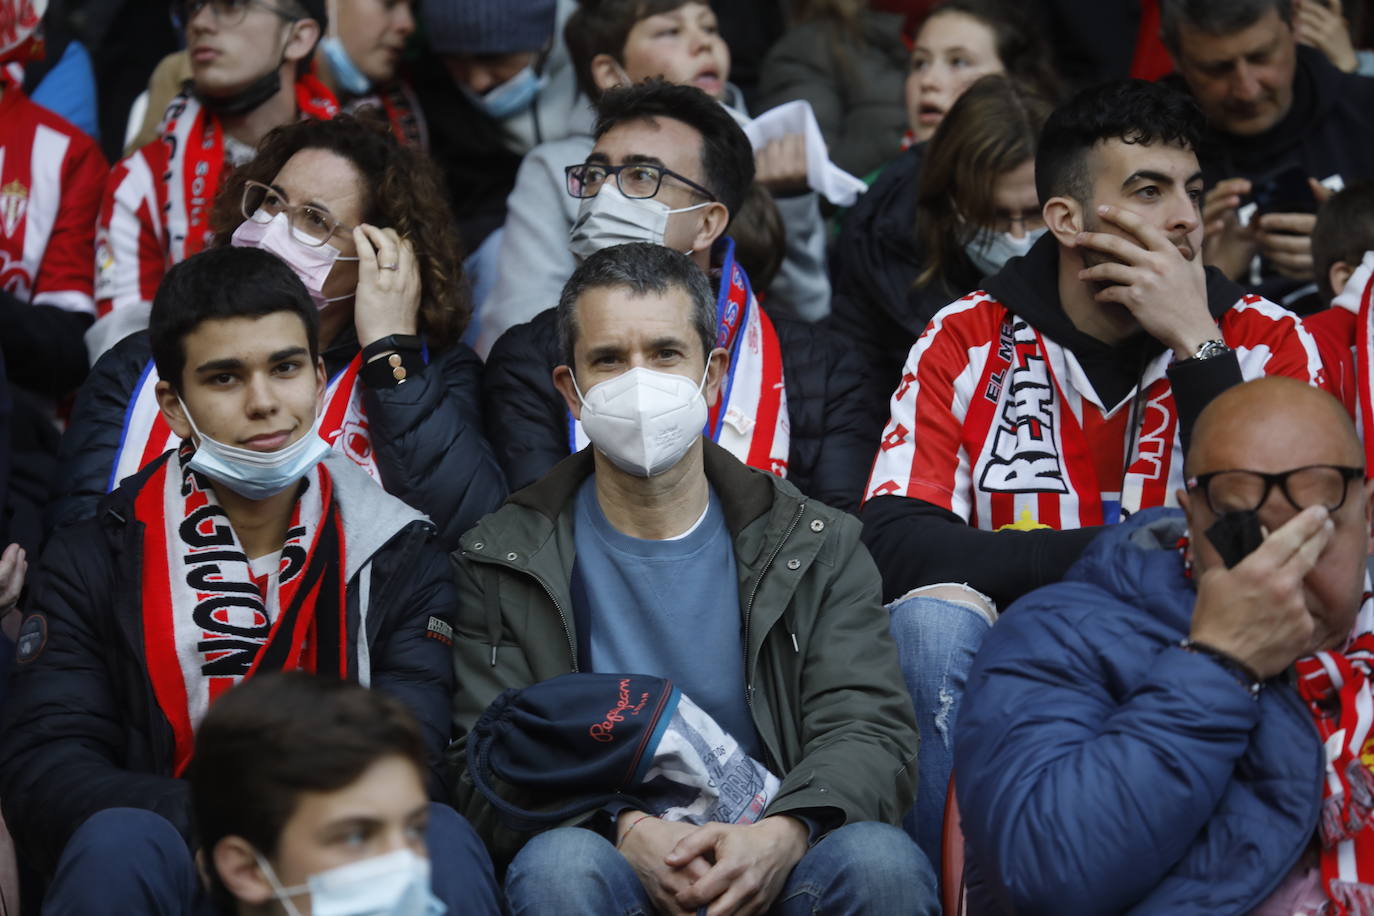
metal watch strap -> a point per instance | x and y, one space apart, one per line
1210 348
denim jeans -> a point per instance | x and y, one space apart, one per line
863 868
936 641
128 860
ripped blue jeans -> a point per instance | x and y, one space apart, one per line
936 641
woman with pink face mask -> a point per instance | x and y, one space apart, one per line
364 223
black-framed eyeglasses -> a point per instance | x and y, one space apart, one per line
635 179
227 12
1310 485
311 225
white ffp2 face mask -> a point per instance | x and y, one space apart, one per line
611 218
395 884
644 421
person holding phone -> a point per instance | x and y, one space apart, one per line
1278 114
1176 730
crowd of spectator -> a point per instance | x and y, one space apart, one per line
671 456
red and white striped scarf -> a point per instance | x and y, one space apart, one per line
195 146
208 622
146 434
749 419
1337 689
1364 371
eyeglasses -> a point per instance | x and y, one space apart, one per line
311 225
227 12
1241 491
1003 221
637 180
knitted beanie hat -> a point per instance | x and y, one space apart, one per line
487 26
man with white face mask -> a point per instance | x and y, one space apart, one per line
655 550
251 547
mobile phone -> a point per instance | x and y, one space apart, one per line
1235 535
1284 192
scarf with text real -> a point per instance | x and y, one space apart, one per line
749 419
1336 687
208 621
146 434
195 147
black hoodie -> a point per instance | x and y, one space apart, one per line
1329 130
918 543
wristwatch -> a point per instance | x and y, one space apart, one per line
1210 348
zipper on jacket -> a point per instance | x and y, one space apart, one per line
749 605
562 617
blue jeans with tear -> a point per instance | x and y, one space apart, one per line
936 641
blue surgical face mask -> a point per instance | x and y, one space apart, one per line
511 97
253 474
990 251
350 78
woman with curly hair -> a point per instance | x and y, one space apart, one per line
364 223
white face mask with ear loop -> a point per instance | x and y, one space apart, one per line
393 884
644 421
611 218
253 474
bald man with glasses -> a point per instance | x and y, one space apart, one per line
1184 724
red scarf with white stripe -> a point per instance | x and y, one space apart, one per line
1337 689
208 622
1364 371
195 138
749 419
146 434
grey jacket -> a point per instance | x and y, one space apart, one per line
822 682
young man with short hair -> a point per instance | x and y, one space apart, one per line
250 548
656 551
249 74
1057 399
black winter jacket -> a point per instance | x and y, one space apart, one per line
873 268
83 730
426 434
834 435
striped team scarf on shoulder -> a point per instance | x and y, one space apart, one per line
1364 371
195 150
1336 686
208 621
146 434
749 419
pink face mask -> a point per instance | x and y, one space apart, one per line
312 263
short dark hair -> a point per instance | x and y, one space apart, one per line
1344 232
1215 17
279 735
727 158
223 283
642 268
1132 111
603 27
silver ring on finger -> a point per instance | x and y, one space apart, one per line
390 266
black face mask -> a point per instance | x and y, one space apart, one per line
1235 535
247 98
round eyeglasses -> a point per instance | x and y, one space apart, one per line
1245 491
310 224
636 179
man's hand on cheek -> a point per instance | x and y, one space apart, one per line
752 863
1165 290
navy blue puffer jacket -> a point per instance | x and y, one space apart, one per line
1102 769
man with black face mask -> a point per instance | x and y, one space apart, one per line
248 61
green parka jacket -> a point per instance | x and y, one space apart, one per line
822 681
